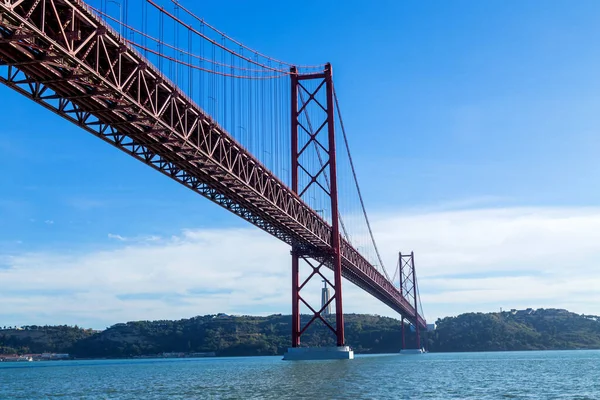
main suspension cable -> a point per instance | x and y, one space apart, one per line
191 66
201 20
177 49
362 203
213 42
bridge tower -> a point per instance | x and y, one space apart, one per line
315 132
408 289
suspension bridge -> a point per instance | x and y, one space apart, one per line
258 136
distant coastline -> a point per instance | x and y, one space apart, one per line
225 335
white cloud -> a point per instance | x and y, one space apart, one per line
117 237
491 258
477 260
49 222
137 239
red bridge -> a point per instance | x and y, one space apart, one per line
265 150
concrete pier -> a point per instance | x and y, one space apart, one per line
319 353
412 351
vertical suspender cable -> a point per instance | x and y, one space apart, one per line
362 203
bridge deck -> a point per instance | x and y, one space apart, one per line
62 56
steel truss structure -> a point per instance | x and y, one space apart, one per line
331 256
61 55
408 288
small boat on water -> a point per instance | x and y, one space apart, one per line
16 359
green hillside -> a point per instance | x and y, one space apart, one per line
225 335
248 335
521 330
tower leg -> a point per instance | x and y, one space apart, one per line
295 301
335 228
415 297
339 314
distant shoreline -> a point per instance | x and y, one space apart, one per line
223 335
281 355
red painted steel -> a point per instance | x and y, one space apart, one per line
295 300
59 54
295 256
335 220
415 297
408 288
332 256
401 290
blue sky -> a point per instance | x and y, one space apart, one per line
474 119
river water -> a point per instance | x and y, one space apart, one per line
502 375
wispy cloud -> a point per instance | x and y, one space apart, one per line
469 203
137 239
467 260
117 237
49 222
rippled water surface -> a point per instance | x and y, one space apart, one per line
512 375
